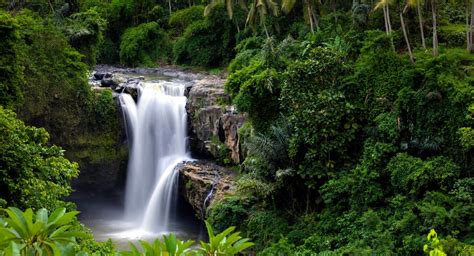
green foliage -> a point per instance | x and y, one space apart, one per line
323 119
206 43
226 243
169 246
85 32
144 45
230 211
33 174
25 233
413 176
181 19
11 75
265 227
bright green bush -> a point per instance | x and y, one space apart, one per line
26 233
33 174
144 45
227 242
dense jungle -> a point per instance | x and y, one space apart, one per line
327 127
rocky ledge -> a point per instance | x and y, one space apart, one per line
201 183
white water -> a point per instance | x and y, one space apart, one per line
156 128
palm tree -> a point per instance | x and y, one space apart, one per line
405 34
309 5
259 10
417 4
385 5
229 5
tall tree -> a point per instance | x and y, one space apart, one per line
417 4
470 28
404 29
435 28
385 5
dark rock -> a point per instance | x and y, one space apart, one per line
100 75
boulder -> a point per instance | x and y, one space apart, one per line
201 183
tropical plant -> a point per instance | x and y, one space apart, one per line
26 233
169 246
227 243
433 248
385 5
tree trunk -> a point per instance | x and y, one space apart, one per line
385 19
169 5
266 30
420 19
435 29
402 21
388 20
310 17
471 31
468 31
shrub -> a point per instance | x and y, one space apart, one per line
33 174
231 211
265 227
208 42
181 19
144 45
10 70
25 233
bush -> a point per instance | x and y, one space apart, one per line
85 32
34 175
181 19
231 211
26 233
208 42
265 227
10 70
452 35
144 45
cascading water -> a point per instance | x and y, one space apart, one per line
157 125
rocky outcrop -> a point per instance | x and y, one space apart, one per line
213 124
201 183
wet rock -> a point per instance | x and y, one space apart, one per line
201 183
100 75
212 121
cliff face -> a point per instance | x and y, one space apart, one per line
213 124
201 183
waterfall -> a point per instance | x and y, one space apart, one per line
157 125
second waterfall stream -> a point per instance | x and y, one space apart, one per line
156 131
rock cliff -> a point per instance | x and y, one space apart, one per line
202 182
213 124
